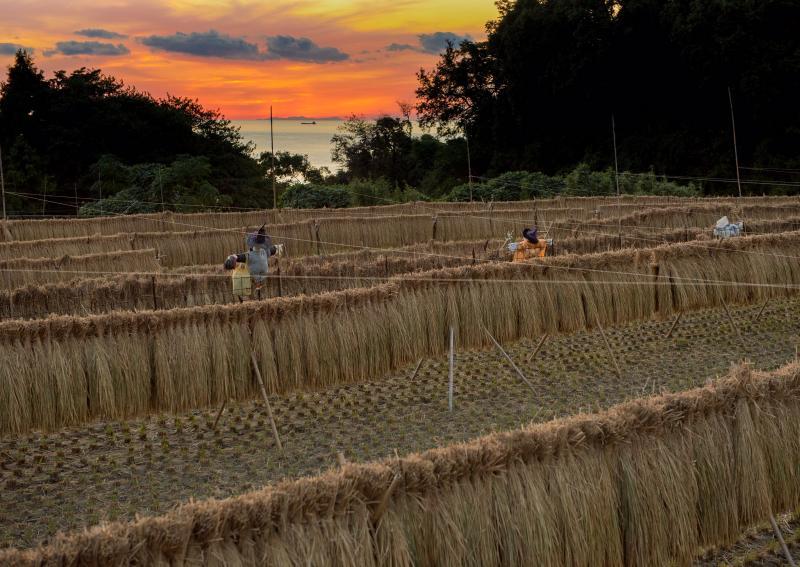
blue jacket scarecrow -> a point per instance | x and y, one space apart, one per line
253 265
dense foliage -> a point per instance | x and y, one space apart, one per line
539 93
56 133
388 149
581 181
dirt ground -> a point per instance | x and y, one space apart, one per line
80 476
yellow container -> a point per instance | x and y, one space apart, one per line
242 284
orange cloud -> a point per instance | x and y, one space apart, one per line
245 82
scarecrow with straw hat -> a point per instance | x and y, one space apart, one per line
252 267
529 247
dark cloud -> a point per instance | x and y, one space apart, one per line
215 44
204 44
437 42
301 49
88 48
100 33
402 47
12 48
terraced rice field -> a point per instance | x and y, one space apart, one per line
608 301
147 466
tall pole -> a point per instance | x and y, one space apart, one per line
44 201
100 185
3 185
272 159
161 187
75 189
616 177
469 165
735 149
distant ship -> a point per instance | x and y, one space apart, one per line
312 122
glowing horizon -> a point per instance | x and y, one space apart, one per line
242 57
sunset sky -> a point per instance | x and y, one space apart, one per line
311 58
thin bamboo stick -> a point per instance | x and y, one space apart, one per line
266 401
610 350
510 361
538 348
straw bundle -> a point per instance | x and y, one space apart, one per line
369 332
33 271
618 487
205 285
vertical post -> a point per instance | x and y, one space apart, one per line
100 185
3 185
469 165
44 199
735 149
161 187
75 189
450 373
272 159
616 178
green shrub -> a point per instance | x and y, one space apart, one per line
308 196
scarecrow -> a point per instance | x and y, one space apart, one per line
250 268
529 247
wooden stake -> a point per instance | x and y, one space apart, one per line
450 373
674 324
538 348
266 401
608 346
219 413
730 318
779 535
760 311
414 374
510 361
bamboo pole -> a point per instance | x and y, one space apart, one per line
779 535
760 311
450 373
3 185
674 324
730 318
610 350
538 348
510 361
219 413
414 374
266 401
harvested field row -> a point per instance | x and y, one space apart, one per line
209 284
343 234
649 482
19 272
147 466
68 370
206 246
166 222
671 218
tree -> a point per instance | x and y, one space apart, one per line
538 94
61 128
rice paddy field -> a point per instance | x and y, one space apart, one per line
634 399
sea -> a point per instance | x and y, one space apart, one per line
291 135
